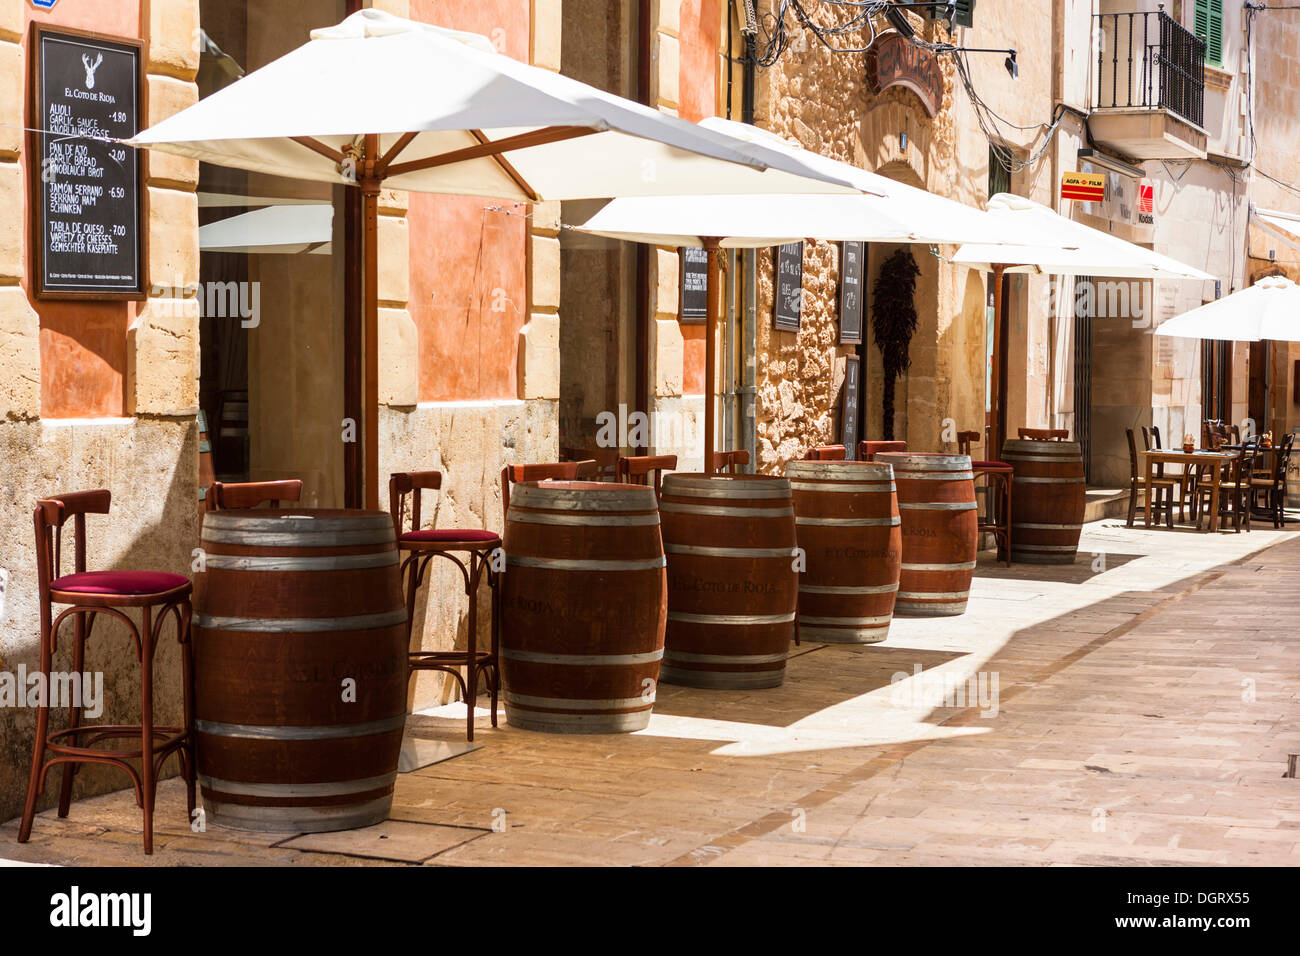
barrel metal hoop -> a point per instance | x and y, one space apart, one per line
719 511
685 658
843 488
333 788
849 522
584 564
1027 480
699 550
933 595
937 476
731 620
300 819
216 728
582 660
551 498
960 566
568 703
584 520
1019 526
854 471
701 486
876 621
335 562
901 459
845 589
294 539
303 524
277 625
938 506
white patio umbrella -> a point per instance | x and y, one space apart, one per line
285 230
1051 243
1268 310
885 211
382 101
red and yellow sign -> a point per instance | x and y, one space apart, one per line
1083 187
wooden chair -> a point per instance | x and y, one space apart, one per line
417 548
637 468
88 594
867 450
827 453
602 462
1271 488
1044 434
999 477
250 494
545 471
1182 482
1234 491
730 461
1161 488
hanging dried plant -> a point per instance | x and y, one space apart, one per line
893 322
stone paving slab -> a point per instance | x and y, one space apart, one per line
1146 700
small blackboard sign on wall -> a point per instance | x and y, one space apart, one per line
852 265
87 197
695 285
789 287
849 409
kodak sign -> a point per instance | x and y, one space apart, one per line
1083 187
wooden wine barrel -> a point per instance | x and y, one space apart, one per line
732 584
583 604
300 666
847 522
936 499
1049 501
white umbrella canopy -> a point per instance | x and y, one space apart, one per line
284 230
1269 310
382 101
884 211
454 116
1049 242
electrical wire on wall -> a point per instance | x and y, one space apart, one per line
1253 10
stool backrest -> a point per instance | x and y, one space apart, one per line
543 471
403 483
50 516
1045 434
827 453
730 461
636 468
250 494
867 450
965 440
1133 472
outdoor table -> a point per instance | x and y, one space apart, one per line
1177 457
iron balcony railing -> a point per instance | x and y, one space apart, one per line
1147 60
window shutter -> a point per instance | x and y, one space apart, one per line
1208 25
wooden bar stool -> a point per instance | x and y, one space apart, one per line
1044 434
250 494
89 594
999 478
636 468
730 461
418 547
867 450
827 453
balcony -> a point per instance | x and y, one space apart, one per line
1150 87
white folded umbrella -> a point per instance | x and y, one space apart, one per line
380 101
1269 310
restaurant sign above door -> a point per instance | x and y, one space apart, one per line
86 192
892 60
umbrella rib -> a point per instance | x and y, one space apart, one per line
316 146
538 137
509 170
401 144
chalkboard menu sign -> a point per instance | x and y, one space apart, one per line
849 411
789 287
852 263
695 285
87 195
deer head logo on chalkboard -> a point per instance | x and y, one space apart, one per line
91 68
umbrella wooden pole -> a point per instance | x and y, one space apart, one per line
712 296
995 385
370 185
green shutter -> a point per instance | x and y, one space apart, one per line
1208 25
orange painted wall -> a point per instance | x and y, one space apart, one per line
467 261
697 82
83 346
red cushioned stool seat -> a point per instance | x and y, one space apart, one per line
119 582
450 534
989 464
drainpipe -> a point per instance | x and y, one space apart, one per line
642 399
748 395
